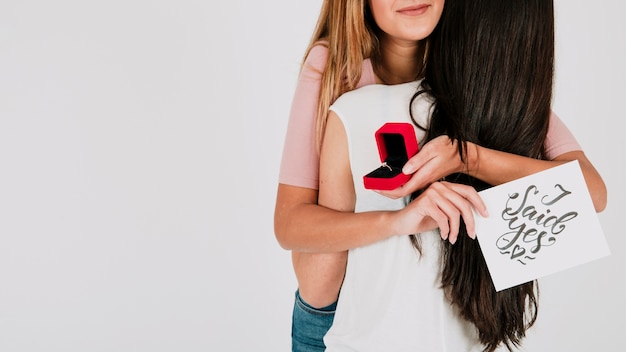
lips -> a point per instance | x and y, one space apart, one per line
414 10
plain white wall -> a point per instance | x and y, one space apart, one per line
139 150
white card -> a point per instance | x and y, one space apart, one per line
539 225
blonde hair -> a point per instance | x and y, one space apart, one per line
349 32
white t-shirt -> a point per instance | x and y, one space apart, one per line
391 298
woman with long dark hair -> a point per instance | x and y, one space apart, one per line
490 71
486 93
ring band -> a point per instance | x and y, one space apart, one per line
387 166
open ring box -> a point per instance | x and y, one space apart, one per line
396 142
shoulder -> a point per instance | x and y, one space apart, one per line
315 63
316 57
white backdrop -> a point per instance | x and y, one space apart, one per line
139 150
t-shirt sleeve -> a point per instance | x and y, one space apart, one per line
559 139
300 159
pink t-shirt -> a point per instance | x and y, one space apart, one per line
300 159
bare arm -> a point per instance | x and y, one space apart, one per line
497 167
439 158
302 225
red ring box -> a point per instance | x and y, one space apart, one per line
396 143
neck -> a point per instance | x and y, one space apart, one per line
400 62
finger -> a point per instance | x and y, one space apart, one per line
444 210
413 184
442 222
465 207
404 190
416 162
393 194
457 207
471 195
428 203
419 180
450 204
454 220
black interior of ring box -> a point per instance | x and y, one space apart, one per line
395 149
396 142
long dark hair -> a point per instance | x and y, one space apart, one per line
490 69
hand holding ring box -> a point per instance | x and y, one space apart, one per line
396 143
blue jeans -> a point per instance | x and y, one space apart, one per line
309 325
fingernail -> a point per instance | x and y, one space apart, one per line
407 169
